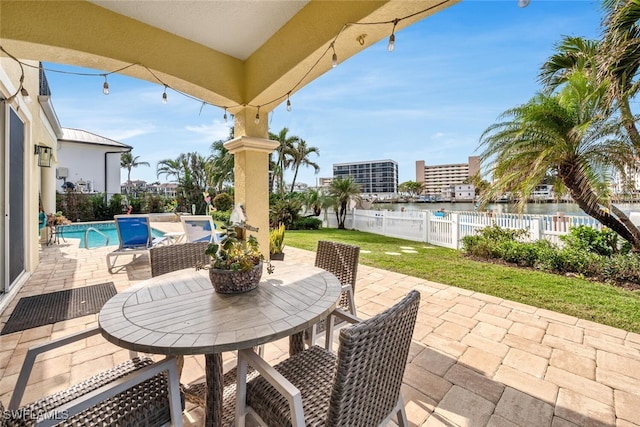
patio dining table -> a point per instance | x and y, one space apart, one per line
179 313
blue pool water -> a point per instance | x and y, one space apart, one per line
95 240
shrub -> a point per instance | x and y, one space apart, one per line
223 202
521 253
589 239
622 268
285 211
582 254
222 216
306 223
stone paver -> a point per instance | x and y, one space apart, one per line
476 360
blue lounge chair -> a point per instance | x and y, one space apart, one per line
135 236
200 228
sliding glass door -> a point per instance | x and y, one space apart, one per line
12 199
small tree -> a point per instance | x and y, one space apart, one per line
343 190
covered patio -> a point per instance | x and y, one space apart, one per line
475 360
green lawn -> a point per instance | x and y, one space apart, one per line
593 301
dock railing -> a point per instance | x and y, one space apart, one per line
448 228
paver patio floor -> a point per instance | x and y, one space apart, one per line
476 360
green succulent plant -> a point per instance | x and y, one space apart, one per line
234 254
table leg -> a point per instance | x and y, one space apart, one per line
213 372
296 343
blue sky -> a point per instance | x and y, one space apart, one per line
449 78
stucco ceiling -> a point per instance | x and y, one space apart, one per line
236 28
235 54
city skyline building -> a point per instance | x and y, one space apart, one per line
377 178
439 178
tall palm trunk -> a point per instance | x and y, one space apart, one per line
574 180
629 122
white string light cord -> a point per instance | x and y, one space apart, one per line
287 95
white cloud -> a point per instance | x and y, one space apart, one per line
210 132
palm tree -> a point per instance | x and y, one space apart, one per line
343 190
315 199
127 161
573 54
615 59
570 133
619 58
221 163
171 167
299 153
284 157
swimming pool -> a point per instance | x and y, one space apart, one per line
95 239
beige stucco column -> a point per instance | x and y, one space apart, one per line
251 148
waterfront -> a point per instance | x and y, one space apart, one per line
530 208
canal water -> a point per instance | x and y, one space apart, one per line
530 208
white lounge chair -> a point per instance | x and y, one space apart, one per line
134 232
200 228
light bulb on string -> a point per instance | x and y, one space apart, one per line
225 115
523 3
334 57
288 103
257 120
164 95
105 86
392 38
25 95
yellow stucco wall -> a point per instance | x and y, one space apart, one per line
37 132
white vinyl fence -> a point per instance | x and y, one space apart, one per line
448 228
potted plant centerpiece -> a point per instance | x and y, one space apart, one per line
276 243
236 265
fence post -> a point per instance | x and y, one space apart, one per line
455 230
384 222
353 219
536 229
425 226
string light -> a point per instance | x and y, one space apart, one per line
523 3
331 47
334 58
25 95
392 38
21 85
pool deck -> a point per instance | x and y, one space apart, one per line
476 360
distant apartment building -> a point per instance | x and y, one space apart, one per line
377 178
324 182
466 192
439 177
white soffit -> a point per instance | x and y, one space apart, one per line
234 27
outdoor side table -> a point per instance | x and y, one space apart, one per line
179 313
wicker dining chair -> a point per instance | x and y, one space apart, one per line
165 259
360 386
341 260
137 392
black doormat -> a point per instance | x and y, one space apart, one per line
38 310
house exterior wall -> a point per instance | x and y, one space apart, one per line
86 162
36 180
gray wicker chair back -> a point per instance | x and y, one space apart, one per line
341 260
370 365
165 259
